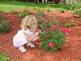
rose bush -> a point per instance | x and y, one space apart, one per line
52 35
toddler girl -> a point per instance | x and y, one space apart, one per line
28 32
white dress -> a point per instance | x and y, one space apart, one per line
19 39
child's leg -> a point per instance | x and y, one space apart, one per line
22 49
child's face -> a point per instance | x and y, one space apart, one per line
32 24
34 27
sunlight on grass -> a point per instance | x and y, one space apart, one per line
12 6
8 7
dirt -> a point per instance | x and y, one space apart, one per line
71 50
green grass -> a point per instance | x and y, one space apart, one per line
12 6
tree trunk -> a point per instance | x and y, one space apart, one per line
56 1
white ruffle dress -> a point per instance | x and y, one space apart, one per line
19 39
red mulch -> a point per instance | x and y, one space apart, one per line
71 50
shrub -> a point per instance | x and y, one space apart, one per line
39 15
56 6
26 12
49 10
77 11
72 6
62 10
23 14
67 24
4 57
68 7
52 36
76 5
4 25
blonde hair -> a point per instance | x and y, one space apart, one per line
29 22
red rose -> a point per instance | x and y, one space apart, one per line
52 27
63 20
10 17
59 25
65 30
50 44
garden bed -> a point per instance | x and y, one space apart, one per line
71 50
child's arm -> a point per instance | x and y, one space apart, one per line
28 37
36 35
33 37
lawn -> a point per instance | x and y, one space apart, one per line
11 6
14 5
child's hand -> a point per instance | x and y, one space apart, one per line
36 42
37 33
36 38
